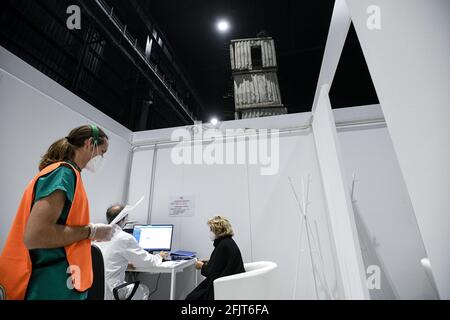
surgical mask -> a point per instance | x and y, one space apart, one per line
95 164
212 236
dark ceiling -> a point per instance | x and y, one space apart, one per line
99 65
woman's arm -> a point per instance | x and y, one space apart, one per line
204 269
42 232
217 263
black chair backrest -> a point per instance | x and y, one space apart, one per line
2 293
97 291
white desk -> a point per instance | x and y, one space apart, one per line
171 267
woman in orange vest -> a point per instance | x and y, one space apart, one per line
47 255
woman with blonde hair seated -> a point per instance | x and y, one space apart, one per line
225 260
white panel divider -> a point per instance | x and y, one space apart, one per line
338 200
406 45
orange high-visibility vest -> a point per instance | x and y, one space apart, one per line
15 261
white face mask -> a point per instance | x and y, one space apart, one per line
95 164
212 236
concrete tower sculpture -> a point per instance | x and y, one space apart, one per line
254 69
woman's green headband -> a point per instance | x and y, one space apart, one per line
95 134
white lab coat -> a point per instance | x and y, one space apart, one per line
123 249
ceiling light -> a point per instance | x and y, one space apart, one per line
223 26
214 121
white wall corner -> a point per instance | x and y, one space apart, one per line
338 200
406 47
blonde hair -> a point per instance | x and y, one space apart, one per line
220 226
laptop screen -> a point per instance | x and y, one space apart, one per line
154 237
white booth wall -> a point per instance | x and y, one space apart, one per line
276 224
265 215
262 209
35 111
387 227
407 55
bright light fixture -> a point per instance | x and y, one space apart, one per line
223 26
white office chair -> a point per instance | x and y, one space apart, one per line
255 283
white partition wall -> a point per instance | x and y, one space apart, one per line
35 112
406 45
262 208
338 200
303 249
140 176
216 190
266 216
382 207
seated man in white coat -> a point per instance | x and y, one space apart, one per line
123 250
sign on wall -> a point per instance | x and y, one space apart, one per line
182 206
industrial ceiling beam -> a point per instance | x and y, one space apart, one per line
136 56
143 16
